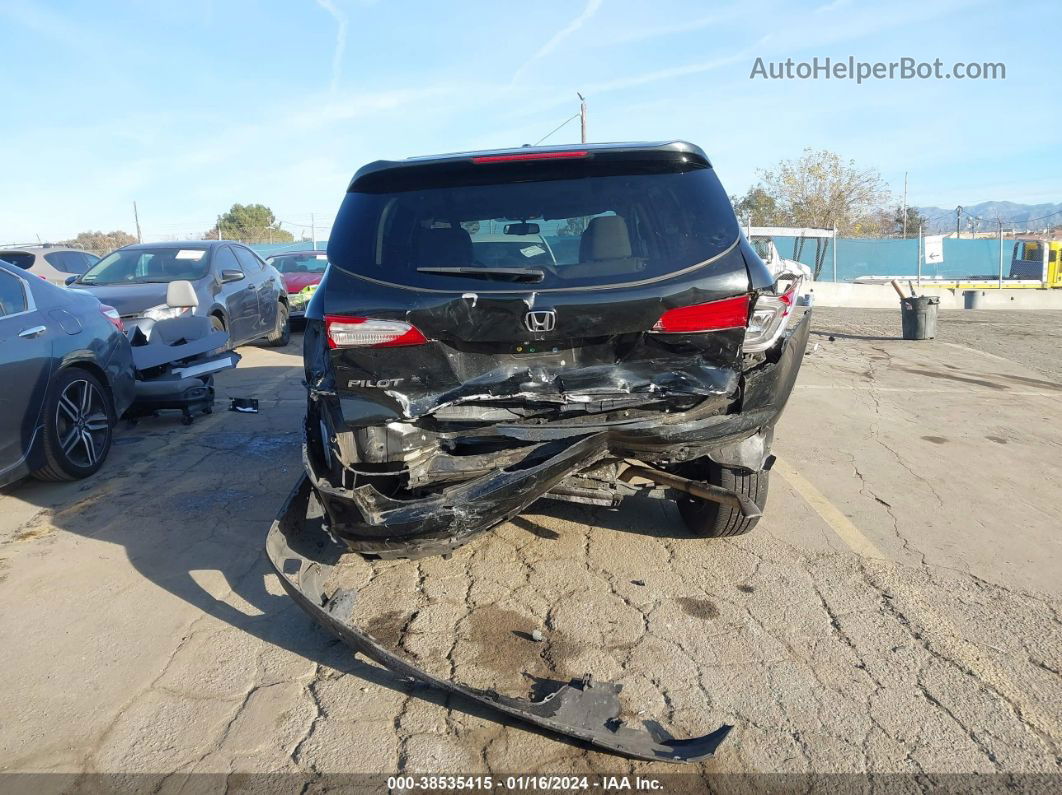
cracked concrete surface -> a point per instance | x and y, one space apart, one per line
145 635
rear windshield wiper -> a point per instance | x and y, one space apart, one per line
514 274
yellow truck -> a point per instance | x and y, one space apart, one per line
1039 260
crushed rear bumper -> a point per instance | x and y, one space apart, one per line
303 556
490 488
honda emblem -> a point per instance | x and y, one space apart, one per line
541 320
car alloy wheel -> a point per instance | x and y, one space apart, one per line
82 423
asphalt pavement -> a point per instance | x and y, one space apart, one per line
896 611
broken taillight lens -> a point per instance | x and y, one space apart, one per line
769 318
711 316
112 315
362 332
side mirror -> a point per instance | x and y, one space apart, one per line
181 294
70 280
228 276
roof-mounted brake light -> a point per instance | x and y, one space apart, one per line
529 156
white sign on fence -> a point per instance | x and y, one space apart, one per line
934 249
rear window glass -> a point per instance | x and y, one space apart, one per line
69 261
22 259
553 233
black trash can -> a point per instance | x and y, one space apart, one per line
918 315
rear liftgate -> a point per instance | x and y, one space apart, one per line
303 556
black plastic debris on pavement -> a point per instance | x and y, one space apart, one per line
244 405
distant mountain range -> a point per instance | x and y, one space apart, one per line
1019 216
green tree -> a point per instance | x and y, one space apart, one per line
249 223
760 206
99 242
819 189
915 219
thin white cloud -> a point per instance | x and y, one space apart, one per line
832 6
686 26
341 39
591 8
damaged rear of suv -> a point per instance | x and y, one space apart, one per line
580 323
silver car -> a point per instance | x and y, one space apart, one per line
54 264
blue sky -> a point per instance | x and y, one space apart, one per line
187 106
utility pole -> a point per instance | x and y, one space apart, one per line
582 116
136 216
1000 253
958 215
313 232
919 257
905 205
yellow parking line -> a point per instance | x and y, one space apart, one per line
856 540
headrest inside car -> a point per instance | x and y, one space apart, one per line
606 237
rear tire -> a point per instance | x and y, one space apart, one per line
712 520
78 426
281 335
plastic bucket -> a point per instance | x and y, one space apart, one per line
918 315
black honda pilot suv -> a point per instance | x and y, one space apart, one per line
580 323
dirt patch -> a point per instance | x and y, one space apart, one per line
386 629
698 608
504 639
37 531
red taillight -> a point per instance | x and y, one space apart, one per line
112 315
363 332
712 316
529 156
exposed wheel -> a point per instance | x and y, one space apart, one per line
281 335
78 426
216 323
711 519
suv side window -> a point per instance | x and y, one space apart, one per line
225 260
67 261
248 260
12 295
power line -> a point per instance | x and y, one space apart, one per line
566 121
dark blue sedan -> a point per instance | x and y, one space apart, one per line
66 375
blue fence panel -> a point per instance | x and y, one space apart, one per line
890 257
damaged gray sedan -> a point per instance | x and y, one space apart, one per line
630 340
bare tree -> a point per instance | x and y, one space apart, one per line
820 189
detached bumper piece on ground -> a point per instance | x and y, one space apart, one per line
303 557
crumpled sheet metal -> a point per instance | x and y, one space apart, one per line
584 709
446 520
